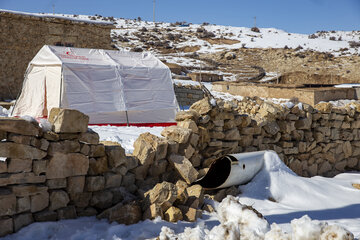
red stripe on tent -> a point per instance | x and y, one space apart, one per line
135 124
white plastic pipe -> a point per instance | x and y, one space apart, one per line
232 169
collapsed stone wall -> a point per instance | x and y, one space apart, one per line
22 36
186 95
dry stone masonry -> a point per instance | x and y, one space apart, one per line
66 172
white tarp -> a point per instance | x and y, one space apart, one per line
100 83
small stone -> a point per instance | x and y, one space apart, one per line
6 226
75 184
23 204
182 194
190 214
189 124
209 208
3 167
153 211
67 165
22 220
81 199
45 216
56 183
16 150
39 202
96 183
123 214
164 194
115 154
87 212
67 213
19 126
173 214
112 180
89 136
97 150
7 203
184 167
58 199
19 165
101 199
98 166
195 192
39 167
202 106
177 134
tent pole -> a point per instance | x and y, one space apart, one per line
127 118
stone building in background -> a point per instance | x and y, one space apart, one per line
22 35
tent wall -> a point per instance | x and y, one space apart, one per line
40 92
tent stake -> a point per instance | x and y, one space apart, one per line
127 118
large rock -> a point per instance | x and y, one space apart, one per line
16 150
202 107
67 165
68 120
184 167
163 194
20 126
123 214
115 154
177 134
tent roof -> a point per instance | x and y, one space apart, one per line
56 55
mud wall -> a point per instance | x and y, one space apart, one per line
22 36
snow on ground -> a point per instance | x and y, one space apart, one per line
298 200
126 136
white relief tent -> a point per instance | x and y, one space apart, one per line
107 85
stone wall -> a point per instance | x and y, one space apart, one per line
309 95
312 141
187 95
22 36
66 172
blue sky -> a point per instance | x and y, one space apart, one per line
301 16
